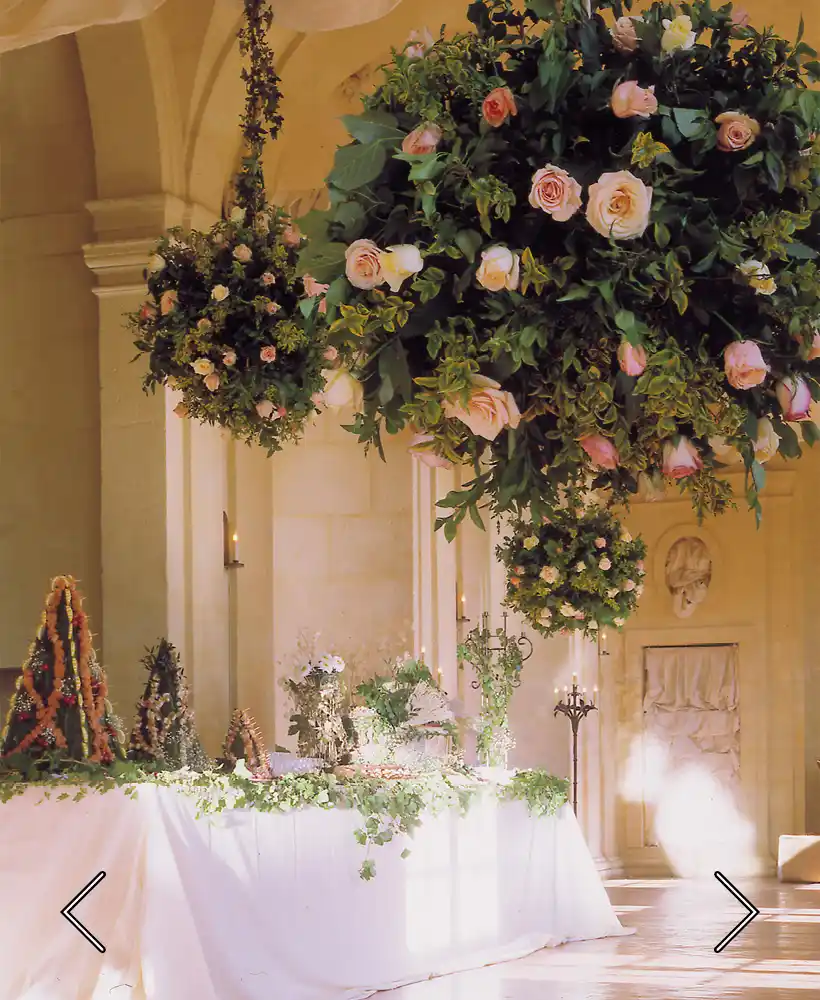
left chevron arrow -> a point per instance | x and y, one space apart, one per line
66 911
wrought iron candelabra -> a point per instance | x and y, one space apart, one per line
575 708
484 640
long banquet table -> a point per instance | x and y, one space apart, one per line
248 905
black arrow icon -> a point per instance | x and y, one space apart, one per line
744 923
66 911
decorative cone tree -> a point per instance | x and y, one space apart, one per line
59 710
164 732
244 741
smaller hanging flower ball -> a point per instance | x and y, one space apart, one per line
575 572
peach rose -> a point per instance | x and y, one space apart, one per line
619 205
243 253
330 353
313 287
271 308
499 269
498 105
422 447
265 409
323 306
181 410
267 278
212 382
554 191
341 389
624 35
630 101
488 410
794 396
725 453
229 359
267 354
737 131
605 563
602 452
767 441
631 358
291 235
744 364
168 301
681 460
363 264
148 312
600 542
422 140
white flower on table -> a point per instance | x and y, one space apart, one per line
330 664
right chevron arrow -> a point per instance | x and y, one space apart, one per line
744 923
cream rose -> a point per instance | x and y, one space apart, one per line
423 447
219 293
399 263
759 276
204 325
631 101
422 140
238 214
767 441
363 264
744 364
157 263
724 452
549 574
678 34
554 191
202 366
624 35
605 564
498 106
619 205
341 389
229 359
212 382
168 302
651 487
499 269
737 131
181 410
243 253
488 410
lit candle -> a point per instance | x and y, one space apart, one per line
440 678
556 692
422 654
235 547
463 606
574 679
566 689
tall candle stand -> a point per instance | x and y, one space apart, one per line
575 708
485 638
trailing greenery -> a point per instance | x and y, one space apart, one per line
572 243
543 793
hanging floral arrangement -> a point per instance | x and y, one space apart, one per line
575 570
576 242
227 321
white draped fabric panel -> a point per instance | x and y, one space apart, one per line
259 906
27 22
691 714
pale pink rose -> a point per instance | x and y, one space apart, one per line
148 312
363 265
272 308
794 396
744 364
323 306
631 101
168 301
740 17
498 105
624 36
418 44
229 359
313 287
605 564
181 410
265 409
212 382
422 140
422 447
737 131
602 452
488 411
267 278
204 325
600 543
631 358
618 205
268 354
554 191
330 353
500 268
243 253
629 585
681 459
291 235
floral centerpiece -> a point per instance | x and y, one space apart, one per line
227 322
319 720
573 241
574 570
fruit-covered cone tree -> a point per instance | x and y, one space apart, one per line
164 732
245 742
60 709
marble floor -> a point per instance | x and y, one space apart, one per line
671 956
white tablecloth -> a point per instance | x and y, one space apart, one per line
253 906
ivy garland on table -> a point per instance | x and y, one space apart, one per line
388 809
227 322
573 242
573 571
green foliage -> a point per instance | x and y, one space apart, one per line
550 332
543 793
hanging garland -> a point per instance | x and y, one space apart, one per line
227 322
576 570
574 242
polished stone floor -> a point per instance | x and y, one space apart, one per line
671 956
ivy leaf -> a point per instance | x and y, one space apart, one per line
800 251
325 261
393 366
349 214
357 165
424 166
692 123
789 446
811 432
314 224
373 126
758 476
469 243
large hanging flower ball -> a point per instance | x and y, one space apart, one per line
229 324
576 570
574 242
